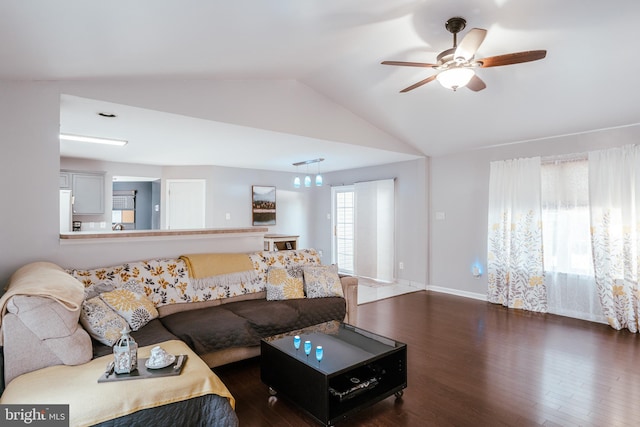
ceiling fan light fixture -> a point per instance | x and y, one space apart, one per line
455 78
456 64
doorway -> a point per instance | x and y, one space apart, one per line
135 203
185 204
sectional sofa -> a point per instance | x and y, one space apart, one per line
216 307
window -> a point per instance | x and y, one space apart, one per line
343 226
566 236
364 222
565 217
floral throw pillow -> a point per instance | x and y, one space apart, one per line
284 283
134 307
322 281
101 322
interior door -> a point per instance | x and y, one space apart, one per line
185 204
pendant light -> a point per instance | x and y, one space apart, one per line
307 179
296 180
318 177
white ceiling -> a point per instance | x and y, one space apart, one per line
334 47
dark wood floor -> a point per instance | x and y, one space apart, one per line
471 363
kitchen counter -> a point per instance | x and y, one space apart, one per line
160 234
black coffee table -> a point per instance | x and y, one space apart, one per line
358 369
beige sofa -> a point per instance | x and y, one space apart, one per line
43 306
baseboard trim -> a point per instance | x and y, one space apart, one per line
481 297
422 287
418 286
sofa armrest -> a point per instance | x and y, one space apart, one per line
39 332
350 290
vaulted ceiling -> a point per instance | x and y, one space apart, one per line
322 58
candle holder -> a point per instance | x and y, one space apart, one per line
125 354
307 348
319 353
296 342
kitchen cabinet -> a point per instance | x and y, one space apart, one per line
87 189
65 180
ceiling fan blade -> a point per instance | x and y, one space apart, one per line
476 84
409 64
512 58
470 44
420 83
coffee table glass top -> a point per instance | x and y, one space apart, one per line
343 345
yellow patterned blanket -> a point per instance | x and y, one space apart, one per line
78 387
218 269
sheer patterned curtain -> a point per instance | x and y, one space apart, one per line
614 192
375 229
568 263
514 265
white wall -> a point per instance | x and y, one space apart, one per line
29 160
460 190
29 167
411 240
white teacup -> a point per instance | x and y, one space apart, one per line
158 356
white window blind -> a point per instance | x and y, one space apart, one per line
344 239
374 232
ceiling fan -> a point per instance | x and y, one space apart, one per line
457 65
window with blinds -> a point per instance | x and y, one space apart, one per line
123 209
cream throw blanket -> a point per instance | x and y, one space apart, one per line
212 270
44 279
91 402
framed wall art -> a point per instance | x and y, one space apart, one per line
263 205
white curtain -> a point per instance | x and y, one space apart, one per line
568 261
614 192
514 265
374 229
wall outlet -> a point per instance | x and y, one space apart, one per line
401 265
227 216
103 224
320 253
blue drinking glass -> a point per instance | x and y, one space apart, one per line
307 348
319 353
296 342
